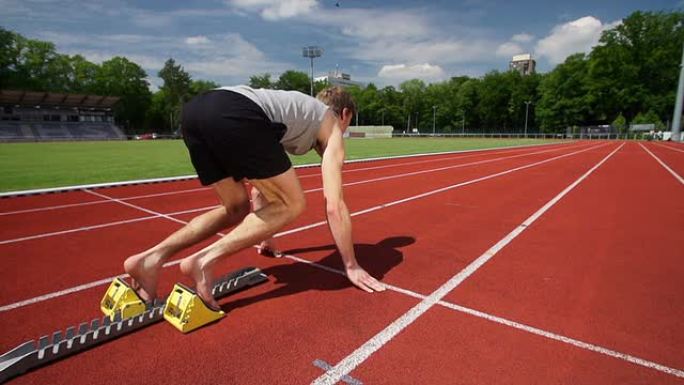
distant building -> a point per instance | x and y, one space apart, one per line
523 64
338 78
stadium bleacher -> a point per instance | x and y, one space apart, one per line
38 116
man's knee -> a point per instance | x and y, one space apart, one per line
292 208
298 206
238 209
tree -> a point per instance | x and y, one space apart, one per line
261 81
119 76
636 64
412 91
495 108
176 90
199 86
8 57
294 81
620 123
564 97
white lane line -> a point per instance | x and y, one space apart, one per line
361 212
135 207
665 166
101 226
109 200
668 147
567 340
481 152
70 290
48 208
515 325
460 165
357 357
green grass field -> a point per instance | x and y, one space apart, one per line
26 166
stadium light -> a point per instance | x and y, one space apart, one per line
527 108
677 115
434 113
312 52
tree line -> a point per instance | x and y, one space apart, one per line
630 77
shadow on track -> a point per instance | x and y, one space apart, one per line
293 278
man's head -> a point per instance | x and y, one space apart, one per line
340 101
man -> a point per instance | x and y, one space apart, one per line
237 135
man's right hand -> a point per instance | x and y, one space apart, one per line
360 278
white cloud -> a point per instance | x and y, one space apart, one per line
147 62
522 38
418 71
197 40
276 9
509 49
416 51
572 37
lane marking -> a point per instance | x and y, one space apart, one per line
357 213
479 162
71 290
71 205
665 166
485 152
326 366
668 147
123 201
101 226
513 324
357 357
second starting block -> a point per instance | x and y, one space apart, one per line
186 311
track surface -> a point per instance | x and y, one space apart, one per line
541 265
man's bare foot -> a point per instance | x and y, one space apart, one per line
268 248
203 280
144 271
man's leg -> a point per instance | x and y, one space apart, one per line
267 247
284 202
144 267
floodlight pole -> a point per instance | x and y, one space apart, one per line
677 116
434 111
463 123
527 108
312 52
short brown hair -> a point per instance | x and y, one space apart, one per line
337 98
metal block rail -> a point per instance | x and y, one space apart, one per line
34 354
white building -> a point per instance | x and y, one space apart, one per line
338 78
523 64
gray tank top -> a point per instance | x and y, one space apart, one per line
300 113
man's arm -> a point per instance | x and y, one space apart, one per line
337 213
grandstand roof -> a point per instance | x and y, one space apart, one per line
33 98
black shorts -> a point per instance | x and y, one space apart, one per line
228 135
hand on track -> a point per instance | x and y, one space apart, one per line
363 280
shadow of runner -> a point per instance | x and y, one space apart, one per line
377 260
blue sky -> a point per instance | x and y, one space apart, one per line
384 42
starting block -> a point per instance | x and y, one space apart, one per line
186 311
120 298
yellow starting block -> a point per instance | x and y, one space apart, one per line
120 297
187 311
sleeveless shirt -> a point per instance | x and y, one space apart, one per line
300 113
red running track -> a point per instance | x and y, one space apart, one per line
587 293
